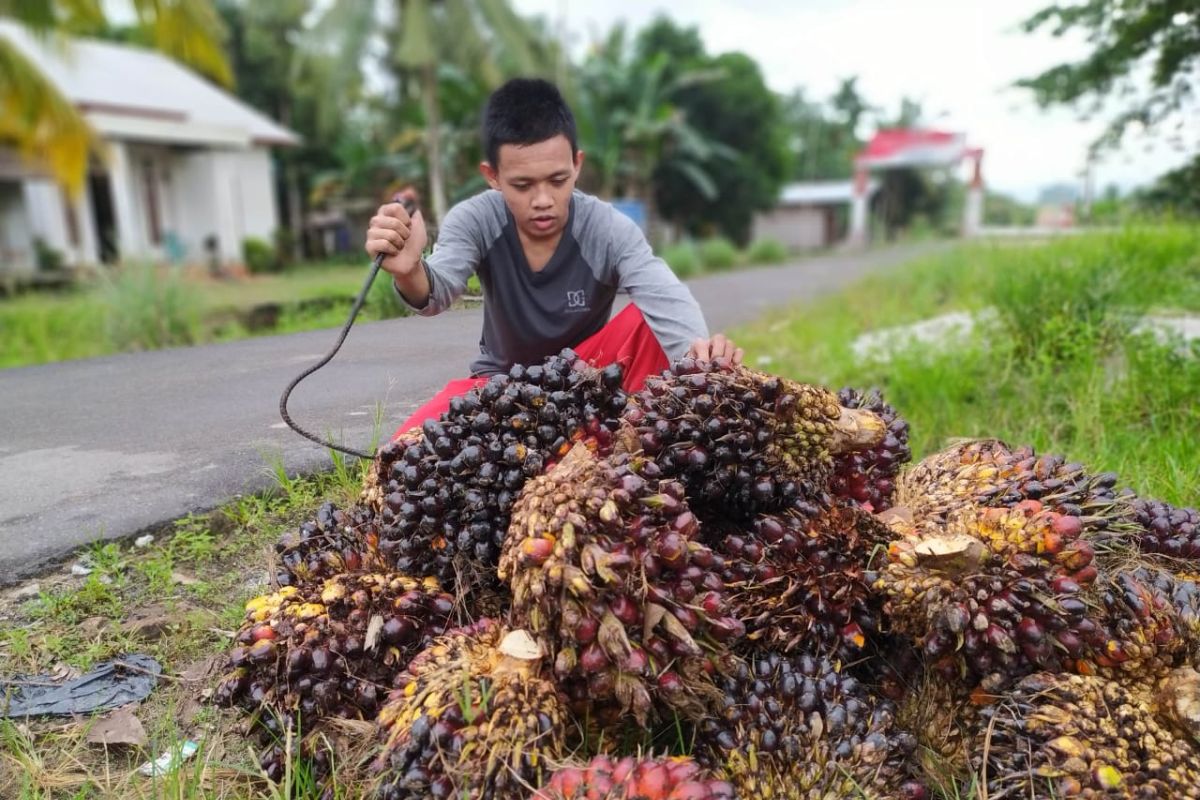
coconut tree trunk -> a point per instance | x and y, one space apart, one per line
433 144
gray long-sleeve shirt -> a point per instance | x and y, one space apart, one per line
529 315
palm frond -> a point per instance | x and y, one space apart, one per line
190 31
39 122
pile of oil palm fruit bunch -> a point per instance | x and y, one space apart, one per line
723 584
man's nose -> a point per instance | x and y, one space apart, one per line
542 199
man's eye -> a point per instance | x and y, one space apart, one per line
520 187
559 181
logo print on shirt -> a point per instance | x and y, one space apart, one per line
576 299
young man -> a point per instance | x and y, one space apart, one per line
550 259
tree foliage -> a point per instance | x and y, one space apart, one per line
1144 52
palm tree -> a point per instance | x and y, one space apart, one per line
629 126
39 122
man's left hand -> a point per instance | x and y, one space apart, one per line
716 347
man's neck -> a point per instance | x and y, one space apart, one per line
538 252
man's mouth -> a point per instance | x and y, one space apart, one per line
543 222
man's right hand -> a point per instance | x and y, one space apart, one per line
400 238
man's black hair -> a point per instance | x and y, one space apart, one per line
525 111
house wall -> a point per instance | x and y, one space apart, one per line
226 193
16 235
797 227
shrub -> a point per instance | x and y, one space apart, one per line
148 309
382 300
766 251
260 256
683 259
718 254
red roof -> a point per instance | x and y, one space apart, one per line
911 146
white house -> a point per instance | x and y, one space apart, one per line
185 164
806 216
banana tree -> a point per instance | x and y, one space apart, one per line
43 125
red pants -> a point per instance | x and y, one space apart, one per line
626 340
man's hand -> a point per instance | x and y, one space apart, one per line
716 347
400 238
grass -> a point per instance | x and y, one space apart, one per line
141 308
688 259
198 573
1059 367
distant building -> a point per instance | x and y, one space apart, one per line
809 215
187 172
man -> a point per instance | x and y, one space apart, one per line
550 259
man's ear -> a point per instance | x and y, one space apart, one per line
489 174
578 162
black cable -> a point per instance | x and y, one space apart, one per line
410 207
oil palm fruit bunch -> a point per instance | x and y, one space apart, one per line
1167 530
448 493
946 719
800 581
329 649
744 440
798 726
998 593
630 778
1084 736
606 571
335 541
471 716
868 477
989 473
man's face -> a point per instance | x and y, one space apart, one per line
536 181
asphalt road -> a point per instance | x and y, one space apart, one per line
107 447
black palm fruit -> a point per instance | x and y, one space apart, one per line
444 496
335 541
607 572
743 440
799 726
1167 530
472 716
868 477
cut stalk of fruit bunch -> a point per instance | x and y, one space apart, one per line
472 716
606 571
868 477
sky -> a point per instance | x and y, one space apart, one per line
958 57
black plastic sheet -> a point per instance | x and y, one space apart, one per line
112 684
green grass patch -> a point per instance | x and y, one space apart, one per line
1058 368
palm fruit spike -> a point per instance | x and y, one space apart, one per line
632 778
799 727
1167 530
944 717
744 440
998 593
989 473
330 649
334 542
606 572
447 494
472 716
801 582
868 477
1084 736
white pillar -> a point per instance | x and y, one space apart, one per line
89 247
973 208
47 218
120 177
858 210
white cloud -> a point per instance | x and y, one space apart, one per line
959 57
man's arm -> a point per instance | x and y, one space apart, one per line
430 285
668 306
